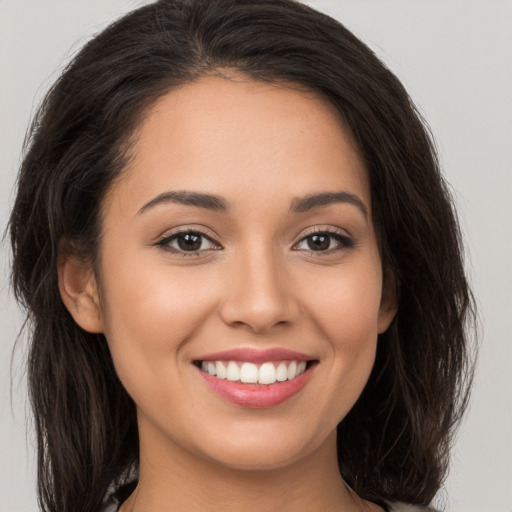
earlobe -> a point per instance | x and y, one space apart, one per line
388 303
79 291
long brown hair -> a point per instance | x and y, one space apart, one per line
394 444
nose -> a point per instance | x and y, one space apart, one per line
259 294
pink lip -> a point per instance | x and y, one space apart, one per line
256 356
257 396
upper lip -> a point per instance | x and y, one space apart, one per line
252 355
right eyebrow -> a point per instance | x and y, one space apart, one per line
207 201
313 201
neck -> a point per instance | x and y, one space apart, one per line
175 480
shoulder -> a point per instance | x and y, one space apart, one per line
405 507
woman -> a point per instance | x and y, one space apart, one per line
242 268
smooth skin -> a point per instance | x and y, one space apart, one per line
257 278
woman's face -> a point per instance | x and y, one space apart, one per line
239 239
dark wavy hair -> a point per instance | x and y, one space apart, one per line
394 443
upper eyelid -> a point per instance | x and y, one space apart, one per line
172 234
330 230
315 230
169 233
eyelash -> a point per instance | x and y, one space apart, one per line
345 242
164 242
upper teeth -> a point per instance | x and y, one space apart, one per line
250 373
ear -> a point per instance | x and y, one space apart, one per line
79 290
388 303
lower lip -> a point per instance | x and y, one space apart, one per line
257 396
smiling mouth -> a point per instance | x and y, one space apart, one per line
245 372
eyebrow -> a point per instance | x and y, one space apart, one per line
313 201
208 201
219 204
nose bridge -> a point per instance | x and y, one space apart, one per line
258 294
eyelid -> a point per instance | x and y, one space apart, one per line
331 230
194 228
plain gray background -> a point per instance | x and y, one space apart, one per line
455 58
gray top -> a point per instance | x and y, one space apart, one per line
113 504
404 507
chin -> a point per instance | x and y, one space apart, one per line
255 460
264 450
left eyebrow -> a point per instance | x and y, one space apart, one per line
188 198
310 202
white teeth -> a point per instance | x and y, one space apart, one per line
233 372
250 373
281 372
267 374
292 370
222 372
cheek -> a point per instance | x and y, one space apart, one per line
347 305
152 297
347 312
156 311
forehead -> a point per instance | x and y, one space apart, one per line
224 136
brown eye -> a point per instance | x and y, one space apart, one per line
325 242
319 242
187 243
